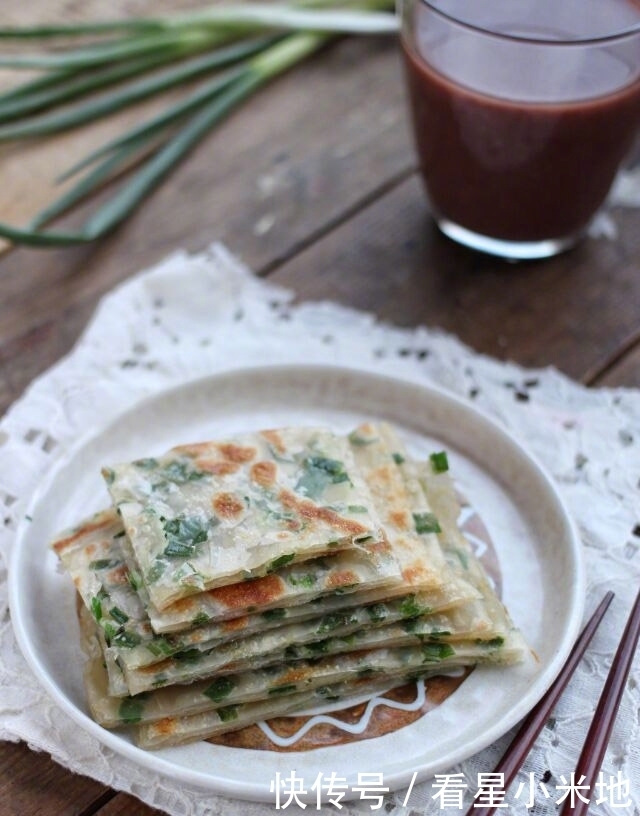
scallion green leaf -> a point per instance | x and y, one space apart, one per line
128 61
439 462
426 523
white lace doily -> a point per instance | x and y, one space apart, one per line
193 316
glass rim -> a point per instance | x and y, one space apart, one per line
530 39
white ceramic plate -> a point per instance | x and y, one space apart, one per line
536 543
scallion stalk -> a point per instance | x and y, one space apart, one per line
231 51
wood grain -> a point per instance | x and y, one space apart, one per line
124 805
268 183
28 169
623 371
571 311
31 784
265 183
37 349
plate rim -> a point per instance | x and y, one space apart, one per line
154 761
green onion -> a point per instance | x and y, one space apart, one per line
377 613
280 561
160 647
426 523
125 639
65 86
410 608
135 92
318 473
435 652
274 614
96 608
183 536
231 51
439 462
131 710
140 134
227 713
104 563
118 615
286 688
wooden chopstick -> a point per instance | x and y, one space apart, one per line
597 739
533 724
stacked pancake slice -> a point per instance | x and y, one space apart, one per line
237 580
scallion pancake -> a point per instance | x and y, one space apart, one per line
381 625
240 652
211 514
274 682
93 555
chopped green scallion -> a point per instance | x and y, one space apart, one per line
148 463
124 639
308 581
96 608
189 655
410 608
334 620
155 573
286 688
104 563
160 647
184 535
110 631
228 713
492 643
318 473
439 462
281 561
377 613
426 523
131 710
118 615
181 473
219 689
274 614
435 652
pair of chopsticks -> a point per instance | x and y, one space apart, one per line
598 736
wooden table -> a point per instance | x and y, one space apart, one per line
314 185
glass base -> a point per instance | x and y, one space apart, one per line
511 250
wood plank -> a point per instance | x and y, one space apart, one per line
275 200
124 805
24 357
460 300
265 183
566 311
31 784
623 373
28 169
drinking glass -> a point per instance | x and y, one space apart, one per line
523 113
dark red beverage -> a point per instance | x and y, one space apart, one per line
510 151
